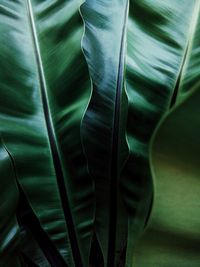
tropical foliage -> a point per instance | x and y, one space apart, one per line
99 125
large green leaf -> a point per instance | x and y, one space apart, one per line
44 90
76 160
103 127
172 235
157 45
157 41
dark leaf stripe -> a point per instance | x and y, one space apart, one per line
54 146
114 177
27 218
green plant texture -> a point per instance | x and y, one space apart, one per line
99 133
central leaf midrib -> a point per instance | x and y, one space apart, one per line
186 53
53 143
115 149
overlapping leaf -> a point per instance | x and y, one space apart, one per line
104 123
46 99
9 228
44 90
157 44
172 235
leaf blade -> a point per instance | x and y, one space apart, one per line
23 127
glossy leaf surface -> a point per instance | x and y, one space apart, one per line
9 229
77 113
103 127
172 234
44 91
157 41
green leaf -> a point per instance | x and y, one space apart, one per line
74 160
157 41
171 237
45 88
103 127
157 44
9 227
